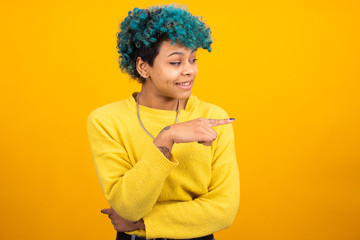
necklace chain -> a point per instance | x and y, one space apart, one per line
138 113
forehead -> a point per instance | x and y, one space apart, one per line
166 48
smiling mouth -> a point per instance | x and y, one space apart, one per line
184 83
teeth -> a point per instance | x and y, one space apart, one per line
184 84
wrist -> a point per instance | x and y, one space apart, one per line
168 135
165 137
164 141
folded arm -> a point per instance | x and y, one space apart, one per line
131 190
207 213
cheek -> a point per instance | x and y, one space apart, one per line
169 74
195 70
164 78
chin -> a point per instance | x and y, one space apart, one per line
184 96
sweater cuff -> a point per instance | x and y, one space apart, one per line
152 226
156 159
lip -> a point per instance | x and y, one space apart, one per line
185 87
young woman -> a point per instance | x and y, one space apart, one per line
165 160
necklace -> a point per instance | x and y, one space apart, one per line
137 108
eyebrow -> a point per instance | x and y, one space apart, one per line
179 53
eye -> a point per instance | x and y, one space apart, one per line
193 60
175 63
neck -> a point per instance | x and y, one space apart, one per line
149 99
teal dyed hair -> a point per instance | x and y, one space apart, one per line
143 30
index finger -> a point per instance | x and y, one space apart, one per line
106 211
217 122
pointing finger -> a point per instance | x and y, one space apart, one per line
106 211
217 122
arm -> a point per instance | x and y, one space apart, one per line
210 212
131 190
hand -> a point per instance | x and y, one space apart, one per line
197 130
120 224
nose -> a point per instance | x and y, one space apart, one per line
188 68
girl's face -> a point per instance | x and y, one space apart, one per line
173 72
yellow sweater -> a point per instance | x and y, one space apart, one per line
193 194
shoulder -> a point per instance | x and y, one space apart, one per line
108 111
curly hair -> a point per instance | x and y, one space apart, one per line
143 31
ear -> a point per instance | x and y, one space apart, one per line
142 67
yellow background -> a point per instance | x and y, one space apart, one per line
288 71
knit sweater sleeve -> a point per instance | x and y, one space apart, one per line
210 212
131 189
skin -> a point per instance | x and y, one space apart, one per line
175 63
